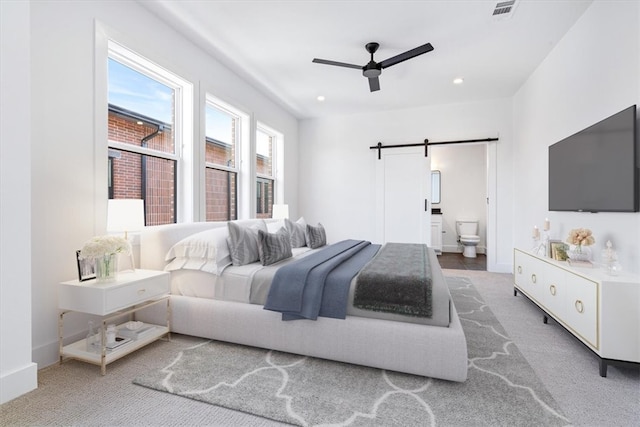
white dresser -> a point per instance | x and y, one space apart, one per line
600 310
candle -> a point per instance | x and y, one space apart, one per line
536 232
547 224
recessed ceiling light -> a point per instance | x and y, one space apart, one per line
320 98
458 81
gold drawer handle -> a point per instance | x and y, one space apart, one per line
141 291
533 278
552 289
519 269
579 306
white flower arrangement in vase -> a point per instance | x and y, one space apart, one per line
104 250
579 238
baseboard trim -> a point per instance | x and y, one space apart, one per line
500 268
458 249
18 382
49 354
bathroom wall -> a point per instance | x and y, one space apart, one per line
463 170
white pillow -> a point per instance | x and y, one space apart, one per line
205 251
274 226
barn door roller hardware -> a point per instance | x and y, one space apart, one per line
426 145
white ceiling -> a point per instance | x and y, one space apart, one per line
272 43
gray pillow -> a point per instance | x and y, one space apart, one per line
274 247
243 242
316 236
297 232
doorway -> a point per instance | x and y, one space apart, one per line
468 174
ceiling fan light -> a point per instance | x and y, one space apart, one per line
371 72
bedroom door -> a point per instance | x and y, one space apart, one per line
403 196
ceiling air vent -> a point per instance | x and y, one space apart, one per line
504 9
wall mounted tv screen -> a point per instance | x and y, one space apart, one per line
596 170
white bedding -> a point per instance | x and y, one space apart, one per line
250 283
234 284
431 351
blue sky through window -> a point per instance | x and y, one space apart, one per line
218 124
139 93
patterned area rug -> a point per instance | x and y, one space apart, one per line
502 389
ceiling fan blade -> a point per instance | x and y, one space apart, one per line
374 84
406 55
339 64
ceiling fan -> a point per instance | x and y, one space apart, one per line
373 69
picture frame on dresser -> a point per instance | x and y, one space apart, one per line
558 250
86 268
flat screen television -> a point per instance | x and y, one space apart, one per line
596 169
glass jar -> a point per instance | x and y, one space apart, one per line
111 334
107 268
579 253
94 338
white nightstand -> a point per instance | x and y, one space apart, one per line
131 292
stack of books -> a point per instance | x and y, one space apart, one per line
135 334
118 342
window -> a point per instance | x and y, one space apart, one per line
221 160
265 173
144 122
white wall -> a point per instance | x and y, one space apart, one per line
66 170
337 186
18 374
592 73
463 170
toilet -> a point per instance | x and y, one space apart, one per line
468 236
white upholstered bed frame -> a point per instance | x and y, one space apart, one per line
430 351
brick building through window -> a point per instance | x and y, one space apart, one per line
133 175
221 185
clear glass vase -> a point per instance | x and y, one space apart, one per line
579 253
94 338
107 268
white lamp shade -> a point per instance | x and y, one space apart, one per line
280 212
125 215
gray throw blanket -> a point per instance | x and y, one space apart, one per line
397 280
299 290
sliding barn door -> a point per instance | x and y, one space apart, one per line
403 191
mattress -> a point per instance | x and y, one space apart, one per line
250 284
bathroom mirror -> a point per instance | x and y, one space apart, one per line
435 187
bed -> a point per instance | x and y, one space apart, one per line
224 305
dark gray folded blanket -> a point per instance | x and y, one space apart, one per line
397 280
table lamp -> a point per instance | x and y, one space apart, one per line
280 212
123 216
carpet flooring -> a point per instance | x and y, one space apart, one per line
74 393
502 389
